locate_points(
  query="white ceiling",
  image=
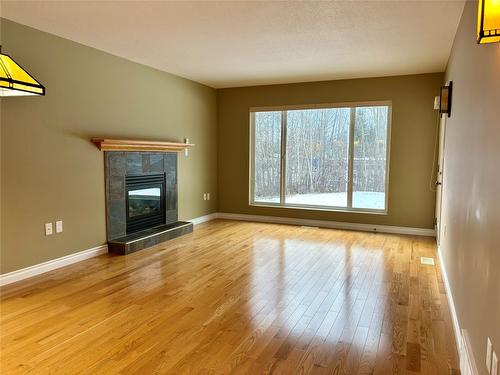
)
(242, 43)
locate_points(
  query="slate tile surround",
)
(120, 164)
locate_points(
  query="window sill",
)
(363, 211)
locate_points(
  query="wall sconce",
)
(488, 21)
(445, 99)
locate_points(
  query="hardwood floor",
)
(237, 298)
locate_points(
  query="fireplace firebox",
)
(145, 201)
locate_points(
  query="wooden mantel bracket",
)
(137, 145)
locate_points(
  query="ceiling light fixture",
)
(488, 21)
(15, 81)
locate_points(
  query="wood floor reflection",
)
(235, 298)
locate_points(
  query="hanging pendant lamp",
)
(15, 81)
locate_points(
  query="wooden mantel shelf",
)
(137, 145)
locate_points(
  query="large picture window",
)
(331, 158)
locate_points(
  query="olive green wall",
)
(470, 223)
(414, 124)
(51, 171)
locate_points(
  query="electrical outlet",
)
(48, 229)
(488, 355)
(494, 364)
(59, 226)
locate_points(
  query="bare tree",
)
(317, 151)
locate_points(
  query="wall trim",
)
(37, 269)
(466, 357)
(330, 224)
(204, 219)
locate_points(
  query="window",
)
(332, 158)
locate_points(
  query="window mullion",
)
(350, 164)
(283, 158)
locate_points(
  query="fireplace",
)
(141, 200)
(145, 201)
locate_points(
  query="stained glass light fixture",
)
(15, 81)
(488, 21)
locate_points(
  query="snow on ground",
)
(360, 199)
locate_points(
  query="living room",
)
(241, 187)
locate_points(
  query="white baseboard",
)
(467, 361)
(82, 255)
(466, 357)
(204, 219)
(330, 224)
(53, 264)
(37, 269)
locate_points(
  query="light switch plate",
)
(59, 226)
(48, 229)
(488, 355)
(494, 364)
(208, 196)
(437, 100)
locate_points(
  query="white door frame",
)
(440, 175)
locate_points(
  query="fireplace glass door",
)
(145, 201)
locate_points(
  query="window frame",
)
(283, 109)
